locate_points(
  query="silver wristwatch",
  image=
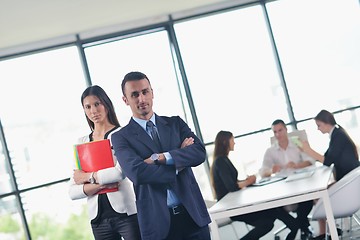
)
(155, 158)
(92, 179)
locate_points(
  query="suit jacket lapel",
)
(142, 135)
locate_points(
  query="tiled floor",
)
(238, 229)
(354, 234)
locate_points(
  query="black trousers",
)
(183, 227)
(291, 222)
(302, 212)
(117, 227)
(262, 221)
(300, 222)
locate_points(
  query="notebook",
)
(94, 156)
(268, 180)
(300, 175)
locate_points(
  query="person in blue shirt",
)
(168, 199)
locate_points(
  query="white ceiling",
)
(28, 21)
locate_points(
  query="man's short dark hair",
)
(132, 76)
(278, 121)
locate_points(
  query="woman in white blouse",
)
(113, 214)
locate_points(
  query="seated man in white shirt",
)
(284, 156)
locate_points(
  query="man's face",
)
(139, 96)
(280, 132)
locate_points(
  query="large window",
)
(318, 43)
(42, 118)
(52, 214)
(6, 185)
(41, 113)
(234, 80)
(238, 69)
(11, 223)
(150, 54)
(320, 56)
(232, 72)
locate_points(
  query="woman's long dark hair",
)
(328, 118)
(105, 100)
(222, 144)
(222, 149)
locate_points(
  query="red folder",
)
(94, 156)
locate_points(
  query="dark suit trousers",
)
(182, 227)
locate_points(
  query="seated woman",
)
(342, 152)
(224, 178)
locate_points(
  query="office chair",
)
(356, 218)
(296, 134)
(347, 223)
(228, 228)
(226, 225)
(344, 198)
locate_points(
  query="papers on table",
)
(301, 173)
(268, 180)
(288, 175)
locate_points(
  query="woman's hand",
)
(305, 146)
(311, 152)
(92, 189)
(110, 185)
(80, 177)
(250, 180)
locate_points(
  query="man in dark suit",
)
(168, 198)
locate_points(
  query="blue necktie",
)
(154, 134)
(172, 199)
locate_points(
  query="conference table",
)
(276, 194)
